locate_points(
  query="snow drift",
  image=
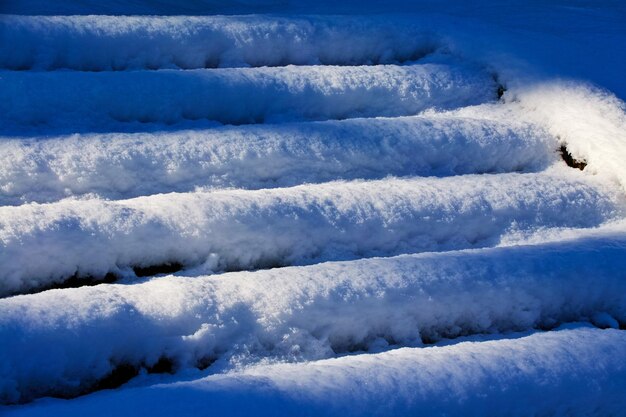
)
(590, 121)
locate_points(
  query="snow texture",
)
(76, 336)
(557, 373)
(236, 229)
(591, 122)
(59, 99)
(393, 181)
(99, 43)
(263, 156)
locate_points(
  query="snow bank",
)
(261, 156)
(575, 371)
(234, 95)
(97, 43)
(237, 229)
(63, 341)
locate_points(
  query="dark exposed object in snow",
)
(569, 159)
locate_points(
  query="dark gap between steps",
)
(166, 268)
(215, 63)
(75, 281)
(120, 375)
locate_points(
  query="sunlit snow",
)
(282, 207)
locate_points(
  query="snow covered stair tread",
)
(239, 229)
(118, 165)
(517, 375)
(75, 337)
(31, 100)
(101, 43)
(487, 378)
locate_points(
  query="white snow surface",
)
(237, 229)
(74, 337)
(591, 122)
(97, 43)
(343, 184)
(554, 373)
(125, 165)
(62, 99)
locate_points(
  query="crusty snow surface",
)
(335, 209)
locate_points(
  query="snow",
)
(497, 377)
(125, 165)
(553, 373)
(97, 43)
(237, 229)
(580, 39)
(591, 122)
(233, 95)
(366, 199)
(73, 337)
(72, 7)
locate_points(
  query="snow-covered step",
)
(71, 100)
(574, 371)
(41, 244)
(118, 165)
(74, 337)
(100, 43)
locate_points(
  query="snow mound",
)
(238, 229)
(121, 165)
(74, 337)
